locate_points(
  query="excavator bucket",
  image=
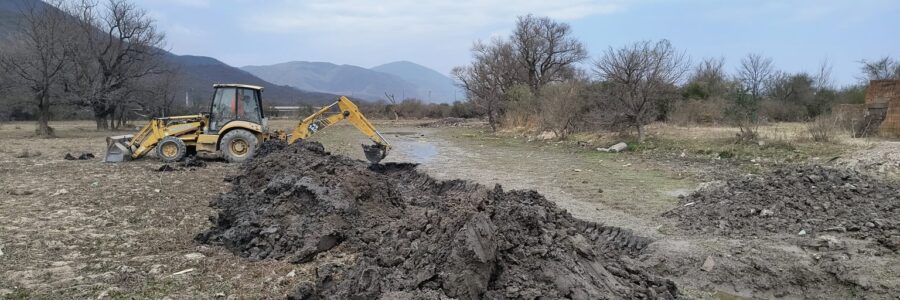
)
(375, 153)
(117, 148)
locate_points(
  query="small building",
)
(883, 102)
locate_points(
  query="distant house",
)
(883, 106)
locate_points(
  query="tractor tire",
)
(170, 149)
(238, 145)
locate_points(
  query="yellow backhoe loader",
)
(234, 126)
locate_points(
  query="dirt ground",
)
(85, 229)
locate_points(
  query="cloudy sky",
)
(797, 34)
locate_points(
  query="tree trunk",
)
(43, 129)
(101, 121)
(492, 121)
(640, 130)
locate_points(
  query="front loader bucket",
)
(375, 153)
(117, 148)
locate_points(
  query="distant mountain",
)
(437, 86)
(11, 15)
(337, 79)
(402, 79)
(199, 73)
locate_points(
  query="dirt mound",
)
(193, 162)
(403, 234)
(795, 200)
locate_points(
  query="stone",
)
(618, 147)
(708, 264)
(194, 256)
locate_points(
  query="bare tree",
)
(118, 45)
(546, 49)
(823, 78)
(754, 72)
(563, 107)
(883, 68)
(38, 58)
(637, 78)
(393, 105)
(155, 96)
(708, 80)
(487, 78)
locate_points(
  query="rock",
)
(546, 135)
(577, 170)
(618, 147)
(836, 229)
(1, 250)
(708, 264)
(126, 269)
(59, 192)
(766, 213)
(600, 190)
(292, 274)
(155, 269)
(194, 256)
(802, 232)
(220, 295)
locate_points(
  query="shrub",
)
(823, 128)
(693, 112)
(780, 111)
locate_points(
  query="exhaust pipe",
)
(118, 149)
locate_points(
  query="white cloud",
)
(373, 19)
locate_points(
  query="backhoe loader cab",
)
(234, 126)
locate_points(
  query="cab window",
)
(224, 107)
(249, 106)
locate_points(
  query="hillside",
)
(337, 79)
(199, 73)
(439, 87)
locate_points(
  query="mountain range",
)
(291, 83)
(401, 79)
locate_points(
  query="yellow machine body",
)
(192, 132)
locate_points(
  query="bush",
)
(823, 128)
(693, 112)
(780, 111)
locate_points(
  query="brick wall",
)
(891, 125)
(884, 96)
(882, 92)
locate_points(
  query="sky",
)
(798, 35)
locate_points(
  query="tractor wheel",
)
(171, 149)
(238, 145)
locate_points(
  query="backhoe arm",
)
(350, 112)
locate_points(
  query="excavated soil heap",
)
(411, 236)
(808, 199)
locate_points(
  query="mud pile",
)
(410, 236)
(796, 200)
